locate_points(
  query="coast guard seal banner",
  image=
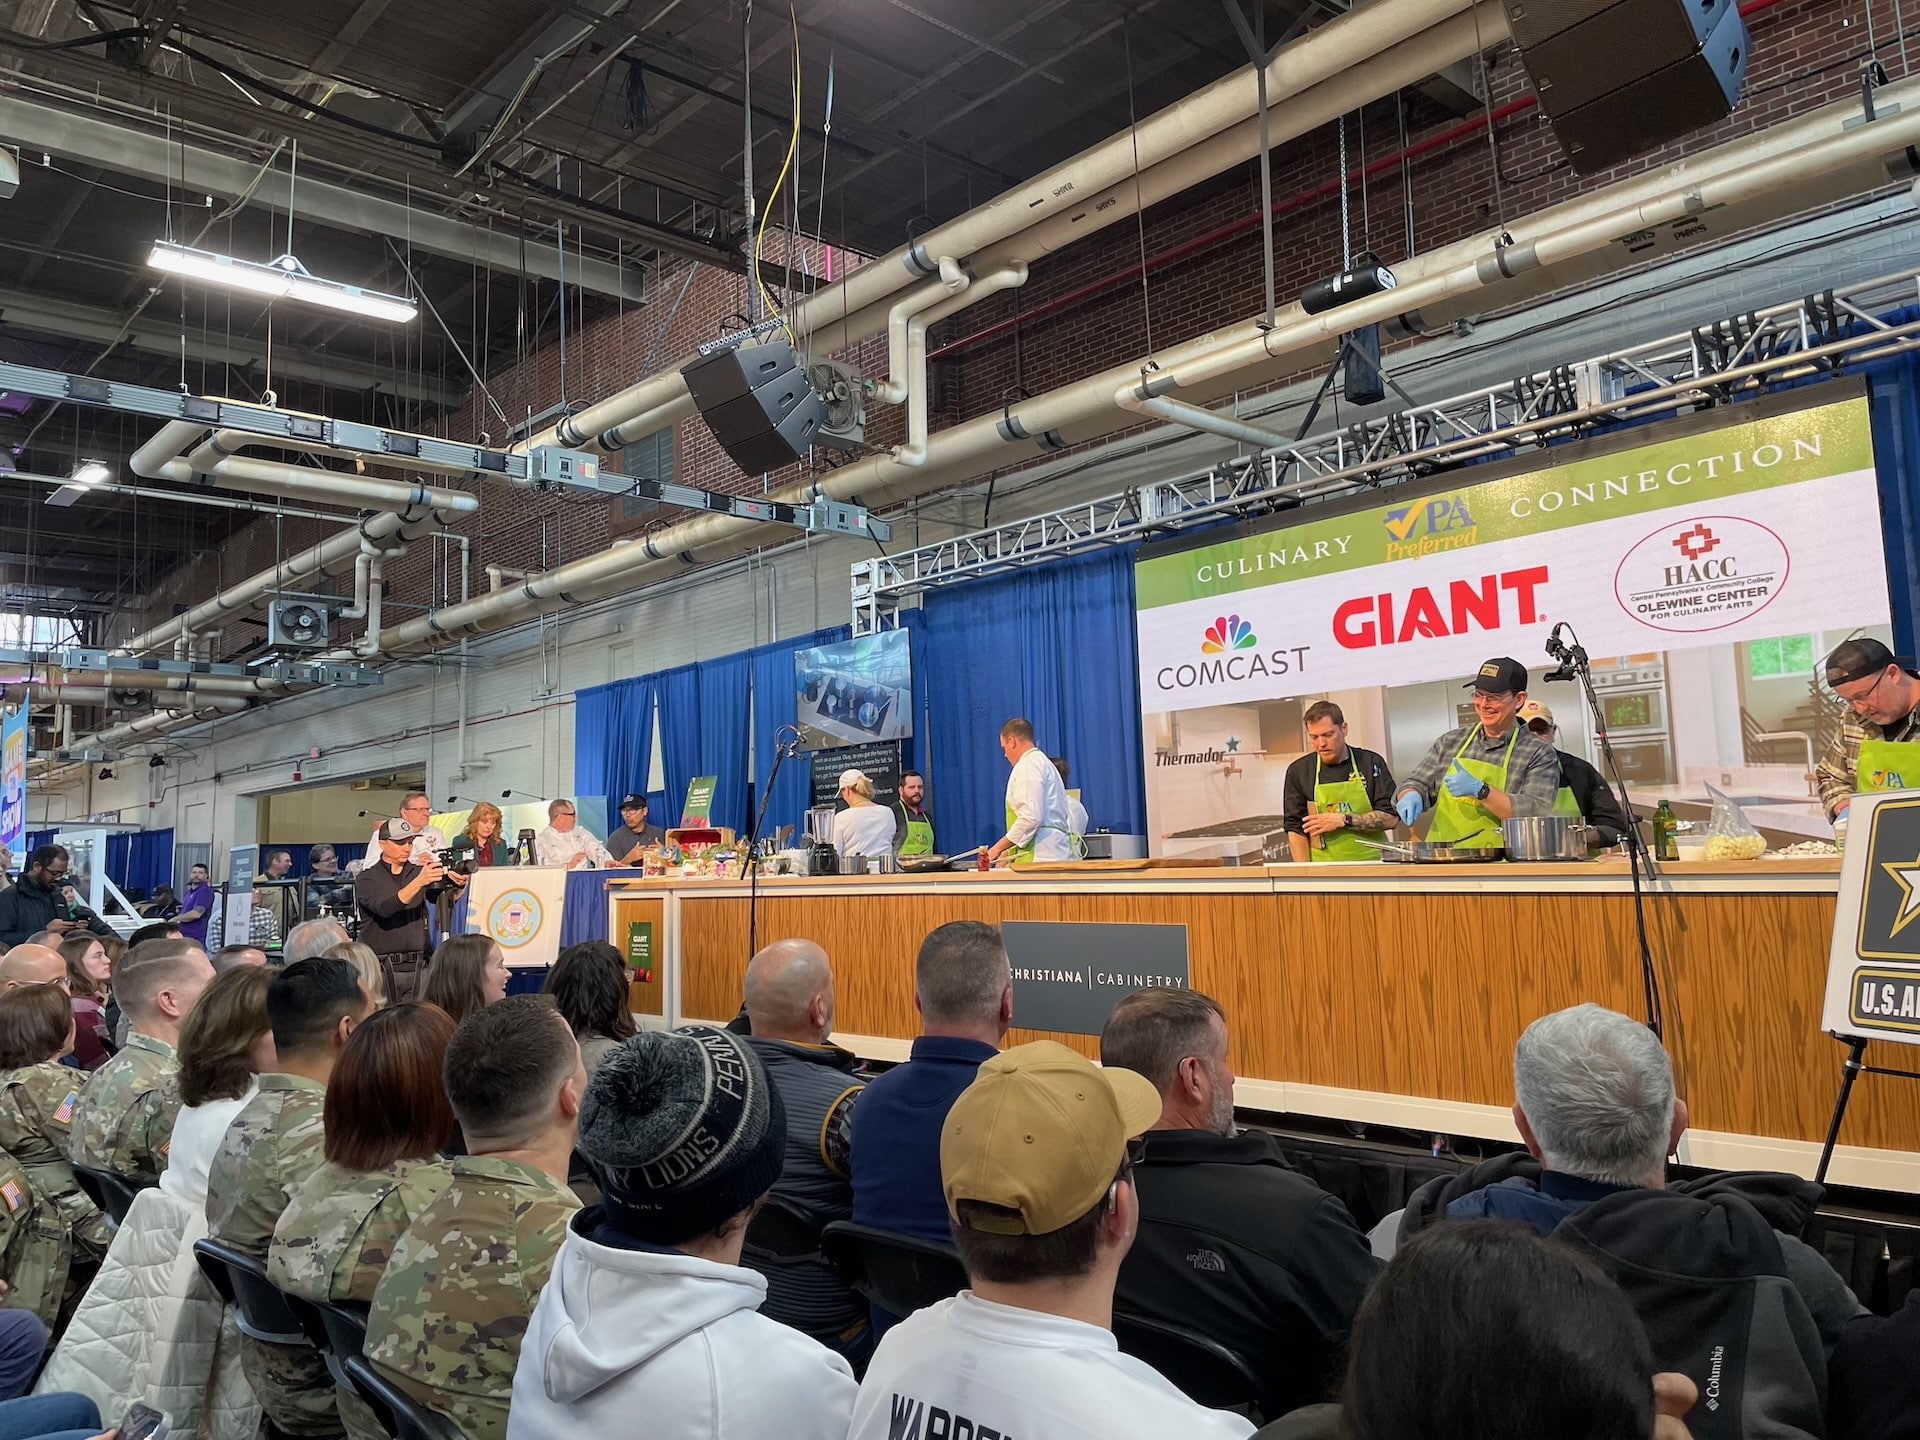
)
(1704, 573)
(520, 907)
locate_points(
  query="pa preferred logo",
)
(515, 918)
(1703, 573)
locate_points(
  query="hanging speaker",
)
(1618, 79)
(758, 402)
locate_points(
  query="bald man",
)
(32, 965)
(790, 1006)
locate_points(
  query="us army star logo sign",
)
(1873, 983)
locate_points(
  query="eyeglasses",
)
(1858, 702)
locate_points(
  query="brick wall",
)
(1805, 54)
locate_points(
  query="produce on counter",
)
(1806, 850)
(1736, 847)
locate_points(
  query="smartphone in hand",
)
(143, 1422)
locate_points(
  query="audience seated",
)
(225, 1041)
(1490, 1332)
(588, 984)
(963, 987)
(231, 957)
(158, 930)
(386, 1118)
(310, 938)
(33, 964)
(37, 1099)
(373, 979)
(270, 1149)
(1233, 1243)
(452, 1307)
(1873, 1380)
(468, 973)
(649, 1312)
(789, 993)
(1715, 1268)
(1035, 1165)
(89, 982)
(124, 1121)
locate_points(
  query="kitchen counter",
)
(1390, 994)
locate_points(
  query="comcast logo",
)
(1229, 632)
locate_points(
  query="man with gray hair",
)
(310, 938)
(790, 1006)
(1233, 1243)
(1728, 1291)
(963, 987)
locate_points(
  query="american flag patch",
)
(15, 1197)
(65, 1112)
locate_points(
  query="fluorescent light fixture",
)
(282, 279)
(86, 475)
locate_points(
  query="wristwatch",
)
(1485, 790)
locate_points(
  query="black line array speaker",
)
(1619, 77)
(758, 403)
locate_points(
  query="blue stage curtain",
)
(776, 704)
(1057, 645)
(613, 739)
(145, 861)
(680, 727)
(35, 839)
(723, 689)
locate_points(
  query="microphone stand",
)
(1574, 666)
(782, 752)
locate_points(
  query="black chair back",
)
(404, 1417)
(784, 1231)
(109, 1192)
(1204, 1370)
(338, 1331)
(899, 1273)
(260, 1310)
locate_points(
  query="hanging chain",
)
(1346, 217)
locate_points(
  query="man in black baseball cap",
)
(634, 834)
(1877, 746)
(1477, 776)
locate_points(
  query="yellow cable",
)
(793, 145)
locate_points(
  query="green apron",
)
(919, 839)
(1565, 804)
(1344, 797)
(1023, 854)
(1458, 820)
(1887, 765)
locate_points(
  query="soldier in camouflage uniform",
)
(451, 1309)
(388, 1121)
(124, 1122)
(38, 1096)
(34, 1253)
(270, 1150)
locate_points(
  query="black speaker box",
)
(1532, 21)
(1635, 74)
(758, 404)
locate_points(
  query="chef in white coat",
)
(863, 828)
(1038, 824)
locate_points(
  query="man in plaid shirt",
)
(263, 928)
(1882, 693)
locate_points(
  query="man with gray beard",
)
(1234, 1244)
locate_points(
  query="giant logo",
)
(1702, 573)
(1428, 613)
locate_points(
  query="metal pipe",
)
(369, 643)
(1135, 396)
(953, 281)
(1007, 277)
(58, 693)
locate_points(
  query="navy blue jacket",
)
(896, 1137)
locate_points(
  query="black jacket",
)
(1238, 1246)
(28, 908)
(1596, 800)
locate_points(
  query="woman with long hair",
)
(225, 1042)
(90, 982)
(485, 838)
(469, 973)
(589, 988)
(37, 1099)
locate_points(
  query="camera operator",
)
(393, 896)
(43, 900)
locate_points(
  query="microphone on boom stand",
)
(1573, 665)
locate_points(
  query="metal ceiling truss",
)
(1744, 355)
(544, 468)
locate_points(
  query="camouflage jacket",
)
(339, 1230)
(36, 1123)
(453, 1306)
(269, 1151)
(124, 1122)
(35, 1248)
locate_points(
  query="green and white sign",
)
(699, 806)
(640, 950)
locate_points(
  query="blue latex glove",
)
(1459, 782)
(1408, 807)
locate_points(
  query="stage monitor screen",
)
(855, 692)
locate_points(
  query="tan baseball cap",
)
(1041, 1130)
(1533, 710)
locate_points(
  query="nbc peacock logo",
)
(1229, 632)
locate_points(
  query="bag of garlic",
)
(1730, 835)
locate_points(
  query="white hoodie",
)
(672, 1347)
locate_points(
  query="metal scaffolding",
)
(1815, 337)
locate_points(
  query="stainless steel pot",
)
(1546, 837)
